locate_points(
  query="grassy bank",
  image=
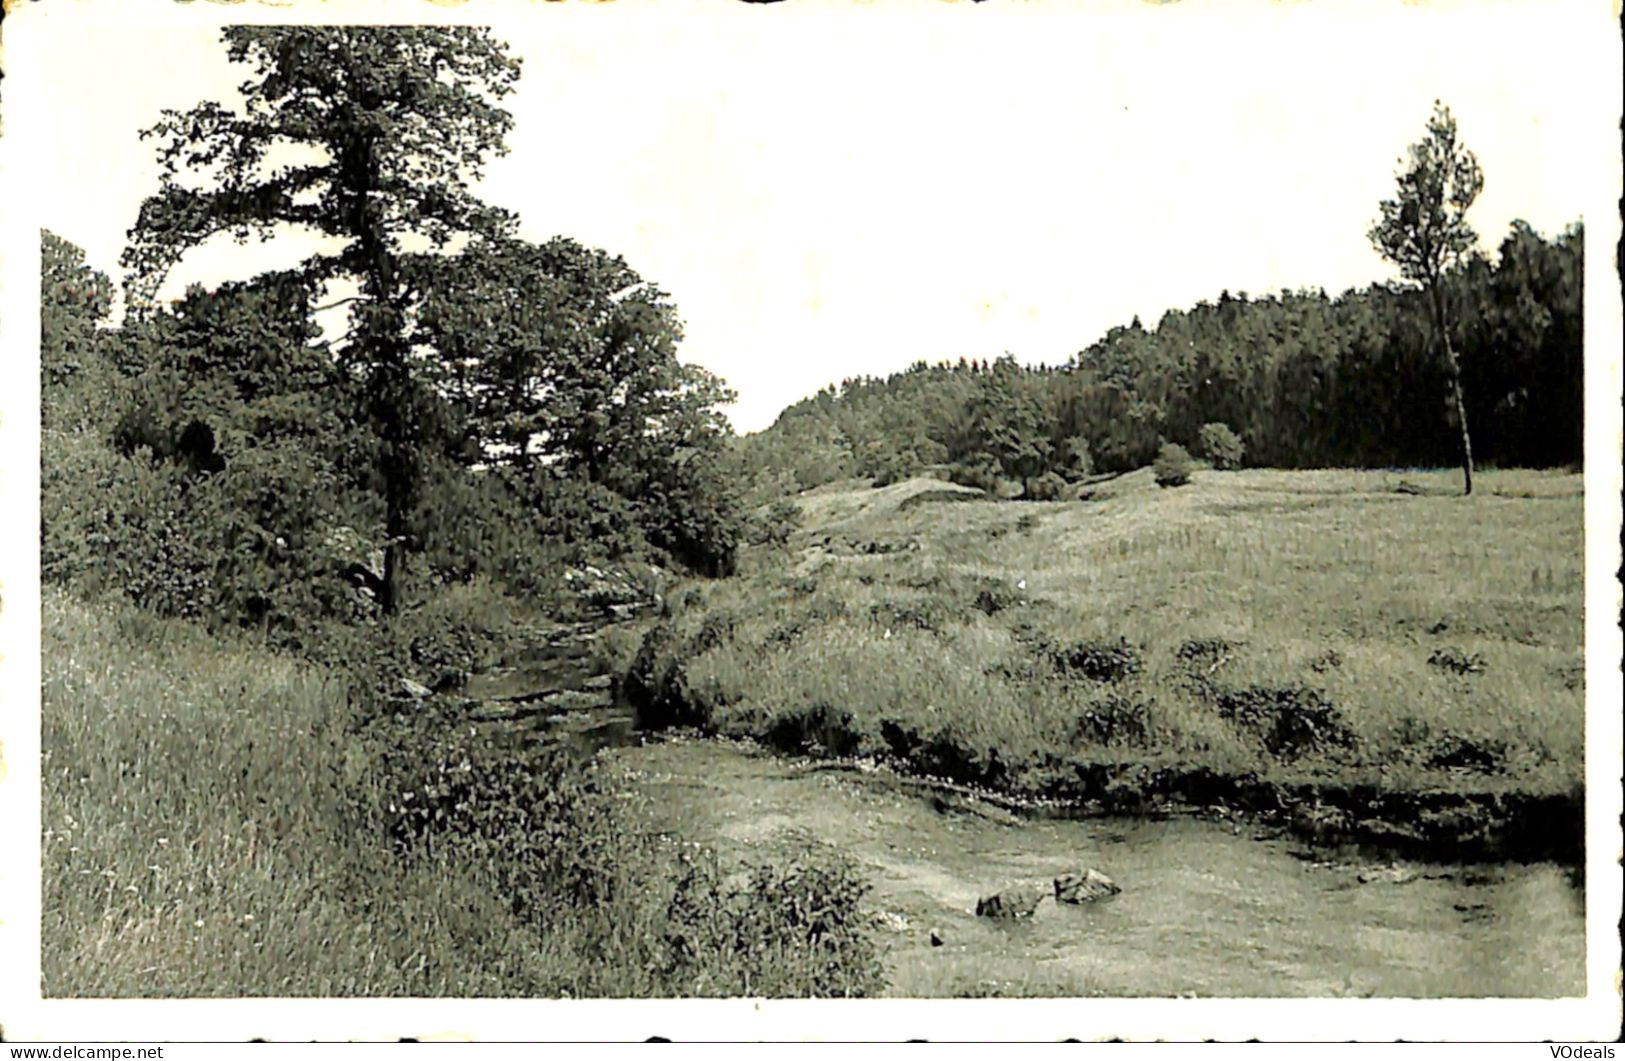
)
(1368, 654)
(220, 821)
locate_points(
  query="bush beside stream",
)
(225, 821)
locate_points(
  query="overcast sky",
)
(830, 190)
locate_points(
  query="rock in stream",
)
(1019, 900)
(1085, 887)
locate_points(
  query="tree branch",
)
(342, 302)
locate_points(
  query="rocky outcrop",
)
(1020, 900)
(1089, 886)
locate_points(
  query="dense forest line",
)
(1300, 379)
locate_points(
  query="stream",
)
(1207, 908)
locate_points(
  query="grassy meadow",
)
(1367, 652)
(222, 821)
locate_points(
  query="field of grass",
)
(1385, 665)
(219, 821)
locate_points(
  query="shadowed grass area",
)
(1412, 660)
(218, 821)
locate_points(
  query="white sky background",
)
(830, 190)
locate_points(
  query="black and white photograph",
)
(1102, 517)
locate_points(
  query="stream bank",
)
(1230, 888)
(1207, 907)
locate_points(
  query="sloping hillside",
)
(1308, 637)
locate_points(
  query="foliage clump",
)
(1047, 487)
(980, 472)
(792, 929)
(775, 526)
(1329, 660)
(1456, 660)
(1114, 720)
(1456, 752)
(1208, 651)
(1173, 465)
(542, 830)
(1221, 446)
(1096, 659)
(1290, 720)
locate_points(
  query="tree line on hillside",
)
(495, 408)
(1300, 379)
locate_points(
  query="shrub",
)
(980, 472)
(776, 525)
(108, 525)
(995, 596)
(459, 629)
(1080, 459)
(791, 930)
(1115, 720)
(1457, 661)
(817, 729)
(249, 547)
(932, 614)
(1097, 660)
(1455, 752)
(1220, 445)
(1047, 487)
(657, 683)
(947, 751)
(1331, 659)
(1291, 720)
(1173, 465)
(1207, 651)
(538, 828)
(692, 512)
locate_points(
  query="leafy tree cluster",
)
(1300, 379)
(493, 407)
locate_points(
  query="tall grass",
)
(940, 633)
(219, 822)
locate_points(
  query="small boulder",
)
(891, 920)
(1085, 887)
(1017, 901)
(416, 690)
(936, 938)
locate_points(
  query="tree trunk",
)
(387, 595)
(1466, 438)
(397, 468)
(1442, 327)
(389, 377)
